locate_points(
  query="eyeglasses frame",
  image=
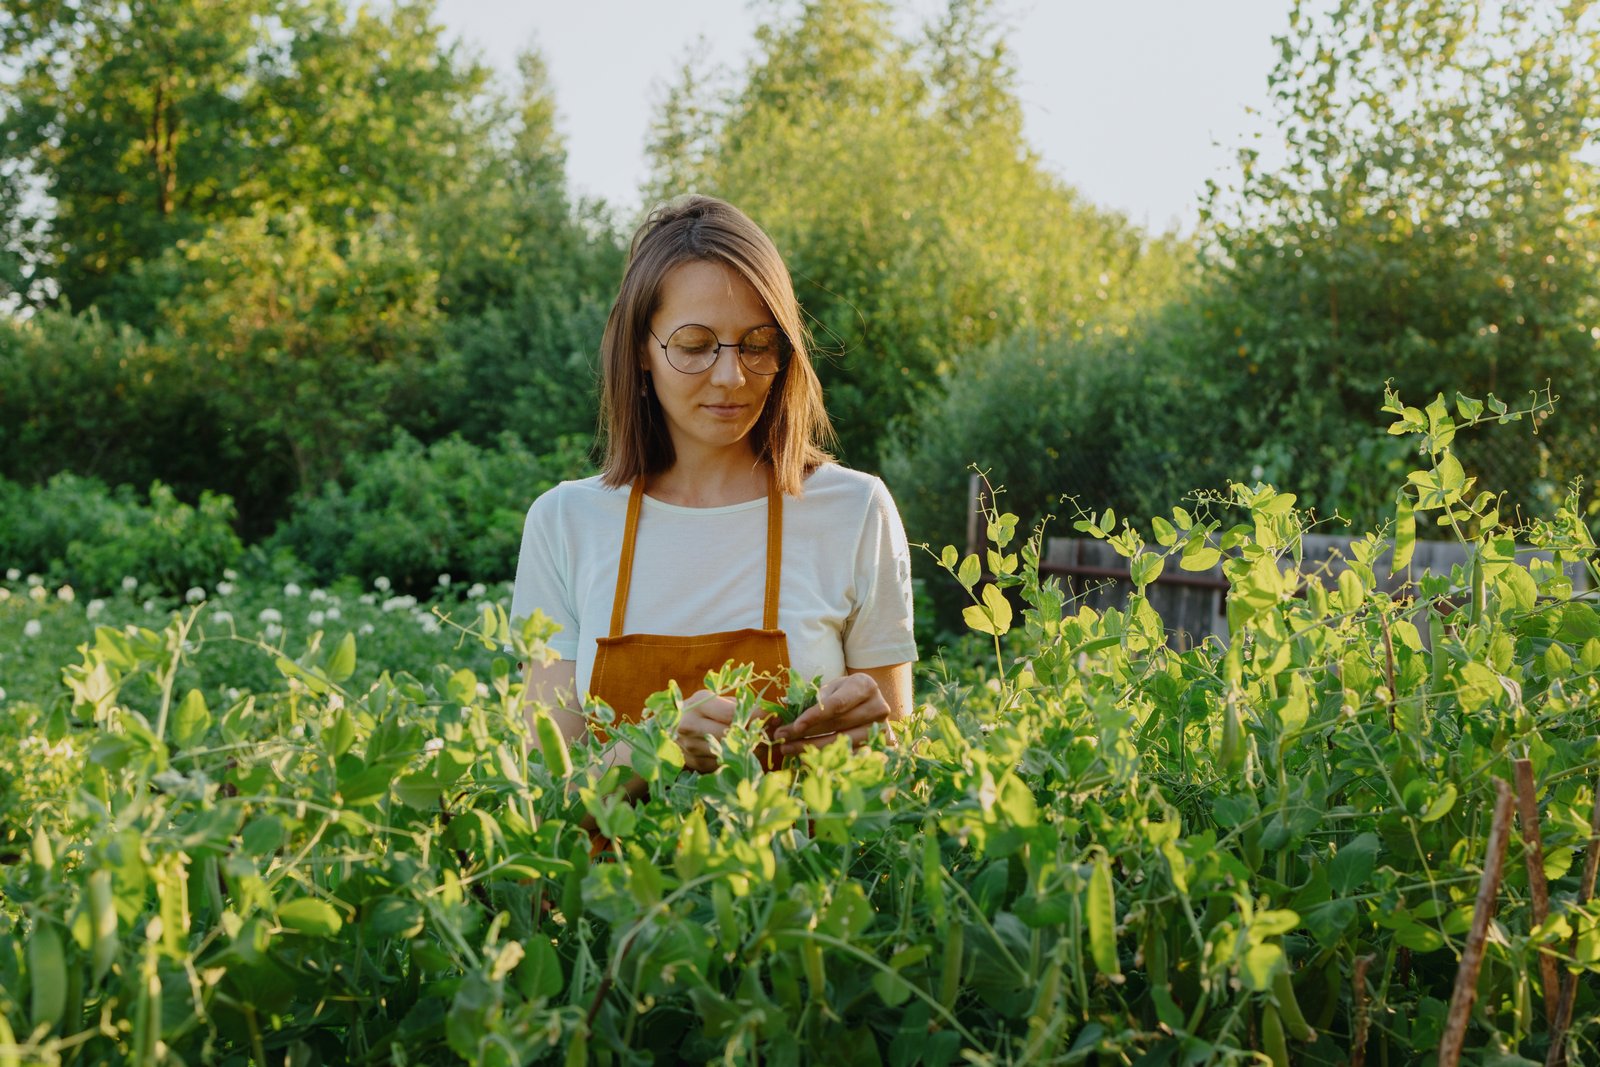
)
(785, 347)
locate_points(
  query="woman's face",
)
(715, 409)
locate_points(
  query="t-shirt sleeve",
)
(544, 574)
(878, 631)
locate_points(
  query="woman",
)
(718, 528)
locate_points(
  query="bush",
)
(412, 511)
(76, 531)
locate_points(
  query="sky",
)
(1136, 103)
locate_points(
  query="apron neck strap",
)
(630, 535)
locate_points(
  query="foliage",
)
(1108, 848)
(411, 512)
(75, 531)
(894, 179)
(145, 126)
(1436, 221)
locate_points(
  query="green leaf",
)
(342, 663)
(1352, 865)
(993, 616)
(341, 735)
(1468, 408)
(1405, 532)
(1260, 964)
(539, 974)
(1441, 804)
(1102, 914)
(1166, 536)
(308, 915)
(1146, 568)
(949, 556)
(192, 719)
(848, 914)
(1198, 556)
(969, 573)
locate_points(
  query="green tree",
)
(1436, 221)
(894, 177)
(139, 125)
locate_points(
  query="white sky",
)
(1134, 102)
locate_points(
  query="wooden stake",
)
(1528, 812)
(1569, 986)
(1466, 990)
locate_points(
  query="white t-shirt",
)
(844, 592)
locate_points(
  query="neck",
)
(710, 480)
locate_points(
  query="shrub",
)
(76, 531)
(412, 512)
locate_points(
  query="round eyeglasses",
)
(693, 349)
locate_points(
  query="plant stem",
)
(1528, 812)
(1466, 989)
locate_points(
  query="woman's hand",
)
(705, 715)
(848, 706)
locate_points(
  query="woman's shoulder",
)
(835, 485)
(576, 497)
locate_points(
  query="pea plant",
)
(1363, 830)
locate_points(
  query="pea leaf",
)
(308, 915)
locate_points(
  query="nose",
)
(727, 371)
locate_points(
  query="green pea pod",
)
(1273, 1042)
(1333, 982)
(552, 745)
(103, 922)
(727, 919)
(47, 974)
(950, 977)
(578, 1050)
(1155, 965)
(811, 959)
(1103, 919)
(1230, 750)
(1293, 1019)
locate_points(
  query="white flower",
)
(5, 594)
(366, 628)
(12, 574)
(444, 581)
(94, 609)
(319, 594)
(335, 701)
(272, 630)
(270, 615)
(433, 744)
(222, 618)
(129, 583)
(2, 695)
(395, 603)
(369, 598)
(195, 594)
(149, 607)
(291, 590)
(297, 730)
(231, 694)
(476, 590)
(315, 618)
(37, 593)
(332, 613)
(35, 580)
(224, 588)
(229, 573)
(483, 691)
(430, 625)
(381, 584)
(31, 628)
(66, 594)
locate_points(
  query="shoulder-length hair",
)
(792, 432)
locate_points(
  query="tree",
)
(895, 180)
(1436, 221)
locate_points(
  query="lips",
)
(725, 411)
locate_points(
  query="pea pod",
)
(47, 974)
(1273, 1042)
(8, 1042)
(1293, 1019)
(727, 919)
(1333, 982)
(950, 977)
(552, 745)
(1230, 750)
(103, 922)
(811, 959)
(1155, 965)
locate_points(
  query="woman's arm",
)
(554, 685)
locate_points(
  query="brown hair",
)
(793, 430)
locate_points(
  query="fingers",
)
(705, 715)
(858, 736)
(842, 704)
(707, 705)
